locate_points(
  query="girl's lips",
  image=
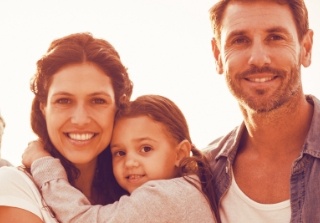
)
(135, 178)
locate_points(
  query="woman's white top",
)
(17, 189)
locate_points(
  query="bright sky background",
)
(164, 43)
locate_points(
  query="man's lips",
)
(260, 79)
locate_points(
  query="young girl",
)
(151, 160)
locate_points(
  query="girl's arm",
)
(155, 201)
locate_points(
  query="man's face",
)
(260, 54)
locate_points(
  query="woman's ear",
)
(183, 150)
(217, 56)
(42, 109)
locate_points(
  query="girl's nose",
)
(131, 162)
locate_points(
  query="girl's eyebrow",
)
(137, 140)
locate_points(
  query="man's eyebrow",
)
(234, 34)
(277, 29)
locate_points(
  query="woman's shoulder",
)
(16, 183)
(18, 190)
(10, 173)
(14, 175)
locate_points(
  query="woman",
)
(79, 85)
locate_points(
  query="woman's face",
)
(80, 111)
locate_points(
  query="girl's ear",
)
(183, 150)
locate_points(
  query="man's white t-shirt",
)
(236, 207)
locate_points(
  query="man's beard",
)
(258, 102)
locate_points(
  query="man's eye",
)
(276, 37)
(240, 40)
(146, 149)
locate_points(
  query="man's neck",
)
(279, 130)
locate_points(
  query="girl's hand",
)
(34, 151)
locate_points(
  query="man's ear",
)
(217, 56)
(183, 150)
(306, 48)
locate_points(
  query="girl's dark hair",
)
(166, 112)
(73, 49)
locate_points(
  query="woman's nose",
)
(80, 115)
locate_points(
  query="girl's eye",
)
(98, 101)
(146, 149)
(119, 153)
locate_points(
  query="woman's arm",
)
(12, 214)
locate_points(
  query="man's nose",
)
(259, 54)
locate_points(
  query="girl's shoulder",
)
(184, 184)
(180, 198)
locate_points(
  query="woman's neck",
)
(85, 180)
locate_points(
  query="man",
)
(2, 126)
(267, 169)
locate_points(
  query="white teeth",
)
(133, 177)
(81, 137)
(261, 80)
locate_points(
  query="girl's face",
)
(80, 112)
(142, 150)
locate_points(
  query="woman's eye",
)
(63, 101)
(99, 101)
(146, 149)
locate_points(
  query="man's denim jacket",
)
(305, 176)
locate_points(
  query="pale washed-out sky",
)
(164, 43)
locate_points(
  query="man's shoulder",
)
(223, 143)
